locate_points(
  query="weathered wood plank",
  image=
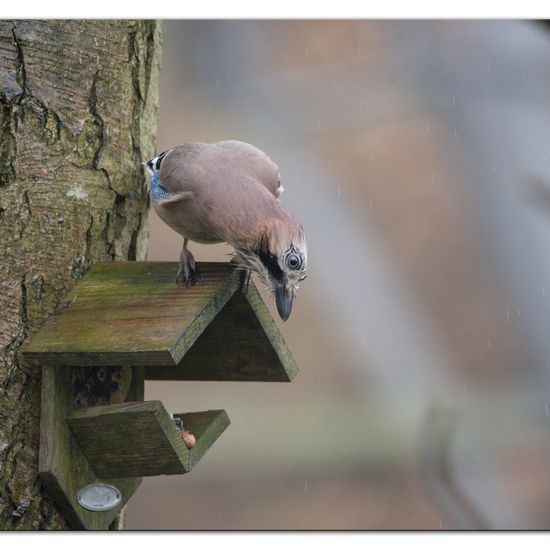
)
(62, 466)
(242, 343)
(272, 332)
(135, 314)
(140, 439)
(132, 313)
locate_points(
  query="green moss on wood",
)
(136, 314)
(140, 439)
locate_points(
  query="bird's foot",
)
(245, 280)
(187, 268)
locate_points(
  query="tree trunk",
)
(78, 109)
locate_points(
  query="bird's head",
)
(279, 257)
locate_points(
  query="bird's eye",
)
(293, 261)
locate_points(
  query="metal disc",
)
(99, 497)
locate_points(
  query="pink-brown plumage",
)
(228, 192)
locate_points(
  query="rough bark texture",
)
(78, 109)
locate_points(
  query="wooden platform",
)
(139, 439)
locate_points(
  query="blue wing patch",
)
(159, 192)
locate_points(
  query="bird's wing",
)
(189, 166)
(180, 170)
(252, 161)
(159, 192)
(177, 199)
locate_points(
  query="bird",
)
(229, 192)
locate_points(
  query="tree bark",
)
(78, 110)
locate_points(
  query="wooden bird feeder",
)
(122, 324)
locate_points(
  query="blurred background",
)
(417, 155)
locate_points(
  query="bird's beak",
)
(283, 298)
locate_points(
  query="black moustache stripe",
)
(271, 264)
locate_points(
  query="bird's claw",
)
(187, 268)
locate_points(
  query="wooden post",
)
(63, 467)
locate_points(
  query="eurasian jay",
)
(228, 192)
